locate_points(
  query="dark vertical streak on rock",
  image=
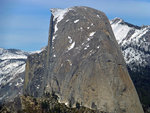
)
(46, 76)
(51, 31)
(49, 52)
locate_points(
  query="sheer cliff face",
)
(82, 64)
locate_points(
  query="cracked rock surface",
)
(82, 63)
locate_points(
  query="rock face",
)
(82, 63)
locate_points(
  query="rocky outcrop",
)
(83, 64)
(35, 74)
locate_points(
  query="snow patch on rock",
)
(98, 16)
(67, 20)
(54, 37)
(70, 39)
(76, 21)
(71, 46)
(54, 55)
(87, 46)
(92, 24)
(92, 33)
(59, 15)
(81, 28)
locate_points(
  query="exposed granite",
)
(83, 63)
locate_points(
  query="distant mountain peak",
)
(116, 20)
(121, 21)
(132, 38)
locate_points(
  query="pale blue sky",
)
(24, 23)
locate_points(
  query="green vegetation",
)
(46, 104)
(141, 80)
(78, 105)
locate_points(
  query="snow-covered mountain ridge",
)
(12, 68)
(12, 62)
(134, 42)
(12, 71)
